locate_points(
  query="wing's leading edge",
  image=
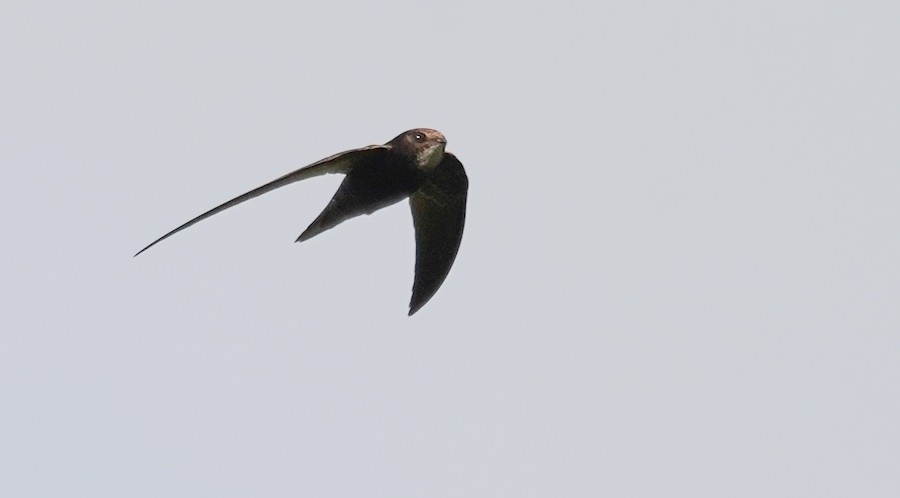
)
(339, 163)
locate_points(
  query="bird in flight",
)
(413, 165)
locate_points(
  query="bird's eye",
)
(419, 137)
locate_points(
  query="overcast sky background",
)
(680, 274)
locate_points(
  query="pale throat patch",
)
(430, 157)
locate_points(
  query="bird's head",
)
(425, 145)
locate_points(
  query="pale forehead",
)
(428, 132)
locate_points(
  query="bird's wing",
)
(339, 163)
(439, 214)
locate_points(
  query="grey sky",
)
(679, 276)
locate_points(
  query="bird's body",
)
(413, 165)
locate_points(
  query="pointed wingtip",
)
(315, 228)
(415, 305)
(306, 235)
(149, 246)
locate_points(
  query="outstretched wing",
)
(339, 163)
(439, 214)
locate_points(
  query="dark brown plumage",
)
(414, 165)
